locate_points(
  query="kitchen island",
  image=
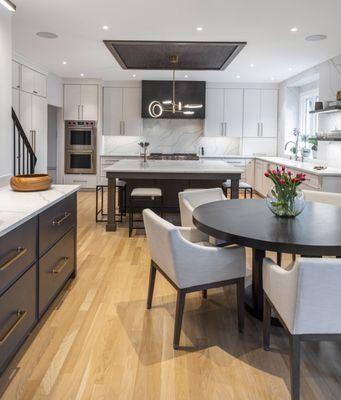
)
(171, 177)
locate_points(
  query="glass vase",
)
(285, 203)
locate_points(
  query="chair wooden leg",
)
(251, 193)
(295, 366)
(204, 294)
(266, 324)
(180, 305)
(152, 275)
(240, 304)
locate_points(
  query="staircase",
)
(25, 159)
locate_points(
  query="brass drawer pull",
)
(61, 220)
(21, 315)
(60, 266)
(20, 251)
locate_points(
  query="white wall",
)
(6, 139)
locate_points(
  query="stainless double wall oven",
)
(80, 147)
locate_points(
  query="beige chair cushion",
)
(146, 192)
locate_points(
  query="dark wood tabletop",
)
(315, 232)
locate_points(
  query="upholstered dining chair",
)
(307, 301)
(323, 197)
(190, 199)
(190, 265)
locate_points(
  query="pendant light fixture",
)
(9, 5)
(156, 109)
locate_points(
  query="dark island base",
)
(170, 189)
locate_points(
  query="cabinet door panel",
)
(26, 112)
(15, 75)
(269, 107)
(132, 125)
(39, 84)
(89, 102)
(27, 79)
(72, 102)
(233, 112)
(112, 110)
(252, 108)
(214, 112)
(39, 126)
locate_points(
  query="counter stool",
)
(141, 198)
(122, 202)
(242, 186)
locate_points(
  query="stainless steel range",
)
(173, 156)
(80, 147)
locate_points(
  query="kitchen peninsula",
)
(170, 176)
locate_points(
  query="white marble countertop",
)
(172, 166)
(18, 207)
(307, 167)
(206, 156)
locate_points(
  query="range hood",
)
(193, 56)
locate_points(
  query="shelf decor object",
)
(156, 109)
(31, 183)
(285, 199)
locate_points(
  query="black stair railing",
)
(24, 157)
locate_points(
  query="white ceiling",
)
(264, 24)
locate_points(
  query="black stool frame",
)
(138, 204)
(101, 216)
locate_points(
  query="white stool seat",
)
(146, 192)
(242, 185)
(120, 183)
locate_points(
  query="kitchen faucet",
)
(296, 147)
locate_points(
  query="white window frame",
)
(303, 114)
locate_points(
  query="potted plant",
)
(314, 145)
(305, 149)
(284, 198)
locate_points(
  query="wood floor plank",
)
(100, 342)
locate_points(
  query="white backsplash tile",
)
(172, 136)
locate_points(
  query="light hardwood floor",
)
(100, 342)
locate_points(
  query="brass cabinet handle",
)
(20, 251)
(60, 266)
(61, 220)
(21, 315)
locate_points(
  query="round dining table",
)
(315, 232)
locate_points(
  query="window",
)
(308, 122)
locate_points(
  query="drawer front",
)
(17, 315)
(17, 252)
(55, 222)
(54, 269)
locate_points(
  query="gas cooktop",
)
(173, 156)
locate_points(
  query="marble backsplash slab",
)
(172, 136)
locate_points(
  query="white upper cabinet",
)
(89, 102)
(260, 112)
(224, 112)
(122, 111)
(251, 112)
(132, 121)
(214, 119)
(112, 111)
(33, 81)
(15, 75)
(233, 112)
(269, 112)
(81, 102)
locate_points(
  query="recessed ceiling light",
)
(82, 74)
(47, 35)
(272, 78)
(9, 5)
(199, 28)
(294, 29)
(289, 69)
(105, 27)
(64, 62)
(238, 76)
(252, 65)
(315, 38)
(134, 75)
(186, 76)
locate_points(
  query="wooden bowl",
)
(30, 183)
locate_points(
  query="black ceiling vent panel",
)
(152, 55)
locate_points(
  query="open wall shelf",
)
(327, 110)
